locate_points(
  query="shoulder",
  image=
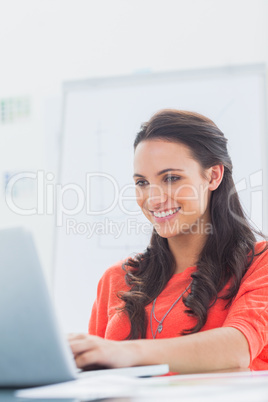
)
(259, 266)
(261, 247)
(114, 276)
(261, 255)
(115, 271)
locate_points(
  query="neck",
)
(186, 249)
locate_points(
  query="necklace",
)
(160, 323)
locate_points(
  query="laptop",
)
(33, 352)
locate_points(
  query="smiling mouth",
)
(163, 214)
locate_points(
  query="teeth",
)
(167, 213)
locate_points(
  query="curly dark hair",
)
(229, 249)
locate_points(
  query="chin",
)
(167, 233)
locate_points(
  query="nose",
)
(156, 197)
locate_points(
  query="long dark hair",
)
(229, 249)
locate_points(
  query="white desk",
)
(244, 386)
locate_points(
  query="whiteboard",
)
(98, 221)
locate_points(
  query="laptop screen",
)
(31, 348)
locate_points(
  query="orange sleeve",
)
(112, 281)
(249, 310)
(99, 318)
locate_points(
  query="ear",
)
(216, 175)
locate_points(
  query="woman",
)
(197, 298)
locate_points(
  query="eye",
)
(141, 183)
(172, 179)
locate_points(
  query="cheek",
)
(185, 194)
(191, 196)
(204, 199)
(140, 196)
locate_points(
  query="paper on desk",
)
(191, 388)
(84, 389)
(208, 387)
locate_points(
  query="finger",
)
(81, 345)
(84, 359)
(91, 359)
(73, 336)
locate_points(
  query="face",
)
(172, 189)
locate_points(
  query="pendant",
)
(159, 328)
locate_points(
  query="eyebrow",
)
(161, 172)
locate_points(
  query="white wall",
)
(46, 42)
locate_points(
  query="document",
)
(231, 387)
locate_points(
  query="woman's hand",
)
(89, 350)
(215, 349)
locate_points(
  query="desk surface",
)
(223, 387)
(8, 396)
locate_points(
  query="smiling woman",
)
(202, 284)
(173, 199)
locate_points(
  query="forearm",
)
(216, 349)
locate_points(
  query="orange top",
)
(248, 311)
